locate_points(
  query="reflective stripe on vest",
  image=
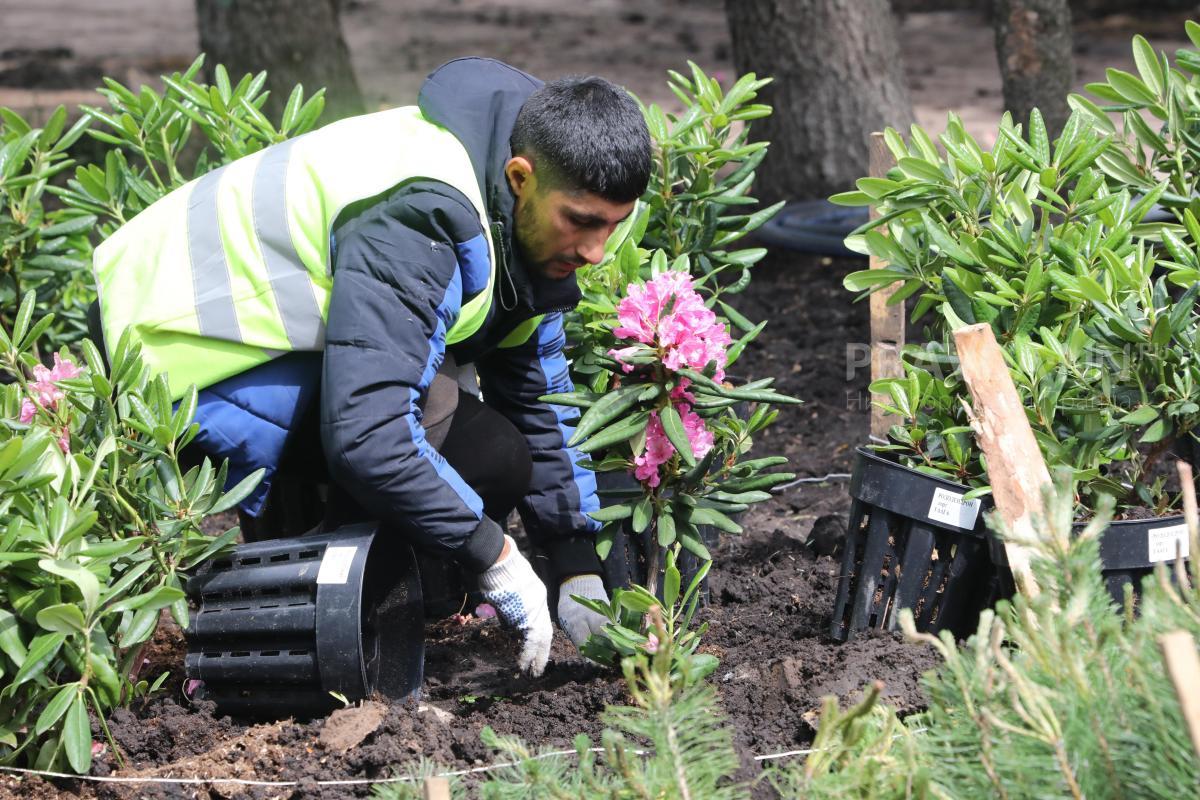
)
(232, 269)
(520, 334)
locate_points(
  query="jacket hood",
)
(477, 99)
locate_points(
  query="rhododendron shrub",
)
(674, 423)
(650, 342)
(99, 525)
(671, 421)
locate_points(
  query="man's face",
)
(557, 231)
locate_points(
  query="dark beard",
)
(523, 232)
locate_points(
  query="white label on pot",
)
(953, 509)
(335, 564)
(1164, 540)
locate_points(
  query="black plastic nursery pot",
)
(813, 226)
(282, 623)
(1130, 549)
(913, 541)
(628, 560)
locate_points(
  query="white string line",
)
(345, 782)
(829, 476)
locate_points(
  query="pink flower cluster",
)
(667, 313)
(659, 448)
(46, 393)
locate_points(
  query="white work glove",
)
(519, 597)
(577, 620)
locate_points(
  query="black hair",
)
(585, 134)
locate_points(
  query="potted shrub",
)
(669, 420)
(691, 214)
(1040, 241)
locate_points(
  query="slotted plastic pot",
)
(628, 560)
(913, 541)
(1130, 549)
(281, 623)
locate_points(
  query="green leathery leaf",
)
(84, 580)
(612, 513)
(1141, 416)
(41, 652)
(673, 427)
(144, 621)
(637, 602)
(710, 516)
(573, 399)
(605, 410)
(617, 432)
(757, 482)
(642, 513)
(10, 638)
(77, 735)
(1156, 432)
(238, 493)
(666, 529)
(604, 541)
(62, 618)
(1160, 334)
(694, 545)
(54, 710)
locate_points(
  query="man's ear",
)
(519, 171)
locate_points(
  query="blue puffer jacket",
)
(403, 267)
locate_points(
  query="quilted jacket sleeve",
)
(401, 277)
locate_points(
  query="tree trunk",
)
(1033, 44)
(295, 41)
(838, 77)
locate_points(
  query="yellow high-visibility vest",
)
(233, 269)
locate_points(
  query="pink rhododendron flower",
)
(44, 391)
(680, 394)
(624, 352)
(45, 381)
(659, 448)
(64, 369)
(667, 313)
(658, 452)
(698, 434)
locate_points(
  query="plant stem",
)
(116, 751)
(652, 561)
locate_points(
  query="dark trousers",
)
(486, 450)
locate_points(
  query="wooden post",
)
(1016, 469)
(1191, 516)
(436, 789)
(887, 322)
(1183, 665)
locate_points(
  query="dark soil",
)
(772, 596)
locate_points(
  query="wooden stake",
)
(435, 789)
(1015, 467)
(887, 322)
(1183, 665)
(1191, 516)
